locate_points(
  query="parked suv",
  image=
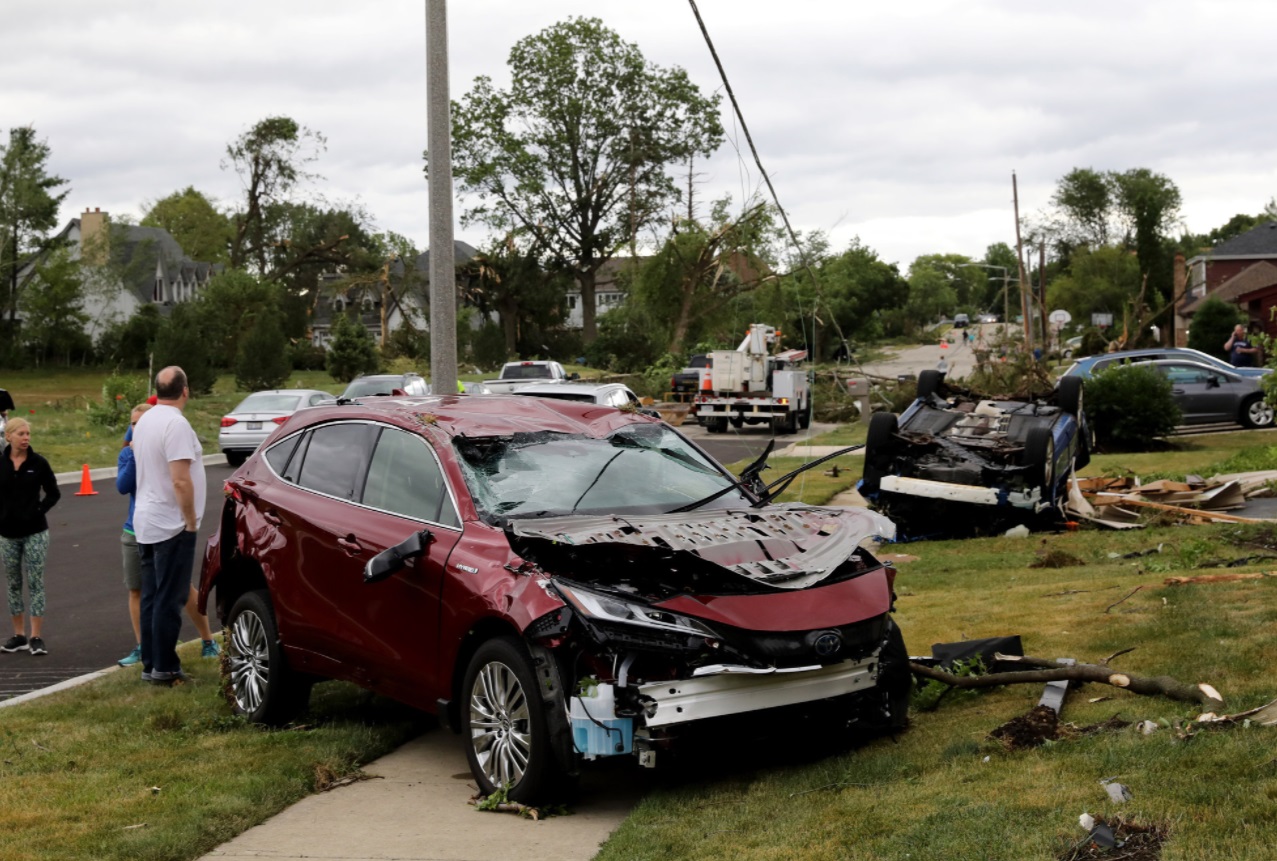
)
(556, 581)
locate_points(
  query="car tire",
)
(1039, 457)
(716, 425)
(878, 443)
(259, 682)
(1069, 397)
(1257, 413)
(929, 382)
(236, 458)
(737, 421)
(895, 681)
(508, 742)
(804, 417)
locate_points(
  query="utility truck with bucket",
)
(753, 385)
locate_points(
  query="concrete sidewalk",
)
(415, 808)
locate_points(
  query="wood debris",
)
(1117, 501)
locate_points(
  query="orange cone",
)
(86, 484)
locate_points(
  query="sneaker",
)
(146, 675)
(16, 643)
(37, 647)
(210, 649)
(131, 658)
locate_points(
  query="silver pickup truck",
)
(516, 375)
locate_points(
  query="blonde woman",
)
(28, 489)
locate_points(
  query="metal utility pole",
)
(1026, 306)
(443, 269)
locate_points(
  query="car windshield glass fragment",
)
(639, 469)
(269, 404)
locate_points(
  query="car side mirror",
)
(1212, 382)
(649, 412)
(393, 559)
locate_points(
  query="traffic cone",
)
(86, 484)
(944, 345)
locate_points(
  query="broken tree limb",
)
(1217, 578)
(1164, 686)
(1174, 509)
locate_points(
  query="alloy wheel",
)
(500, 724)
(249, 659)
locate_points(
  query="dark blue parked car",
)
(1087, 366)
(955, 460)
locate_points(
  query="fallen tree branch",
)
(1123, 598)
(1216, 578)
(1050, 671)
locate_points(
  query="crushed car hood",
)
(716, 551)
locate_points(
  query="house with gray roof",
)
(1242, 272)
(126, 267)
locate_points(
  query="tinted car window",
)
(278, 454)
(268, 403)
(403, 478)
(335, 458)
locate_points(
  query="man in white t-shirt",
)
(170, 504)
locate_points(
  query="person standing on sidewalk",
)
(170, 504)
(24, 531)
(126, 483)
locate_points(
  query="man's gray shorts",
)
(132, 561)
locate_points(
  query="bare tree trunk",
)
(589, 326)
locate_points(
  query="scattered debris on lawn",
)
(326, 779)
(497, 802)
(1114, 839)
(1265, 715)
(1118, 793)
(1116, 502)
(1033, 729)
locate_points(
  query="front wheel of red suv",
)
(508, 741)
(261, 685)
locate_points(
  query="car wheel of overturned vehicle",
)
(508, 740)
(1256, 413)
(929, 383)
(262, 686)
(1039, 457)
(882, 430)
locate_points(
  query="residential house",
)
(1241, 271)
(125, 267)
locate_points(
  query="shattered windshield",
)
(639, 469)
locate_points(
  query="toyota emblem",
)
(828, 644)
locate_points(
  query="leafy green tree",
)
(1149, 205)
(263, 360)
(54, 320)
(182, 341)
(351, 350)
(203, 231)
(1212, 326)
(29, 202)
(932, 293)
(576, 152)
(529, 299)
(1102, 280)
(271, 160)
(1085, 198)
(226, 307)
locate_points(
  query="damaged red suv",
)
(557, 581)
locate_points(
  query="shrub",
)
(489, 346)
(1213, 325)
(182, 341)
(305, 356)
(120, 394)
(262, 362)
(1130, 405)
(351, 351)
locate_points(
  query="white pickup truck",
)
(516, 375)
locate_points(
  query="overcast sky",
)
(900, 123)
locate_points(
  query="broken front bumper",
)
(728, 689)
(943, 490)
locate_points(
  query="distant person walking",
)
(6, 404)
(126, 483)
(170, 504)
(24, 531)
(1241, 352)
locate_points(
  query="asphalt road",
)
(86, 621)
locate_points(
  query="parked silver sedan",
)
(246, 426)
(1206, 394)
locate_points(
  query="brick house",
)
(1241, 271)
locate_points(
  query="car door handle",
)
(351, 545)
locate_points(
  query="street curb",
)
(109, 471)
(60, 686)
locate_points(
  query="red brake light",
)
(227, 421)
(279, 420)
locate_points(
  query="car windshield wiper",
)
(784, 481)
(749, 483)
